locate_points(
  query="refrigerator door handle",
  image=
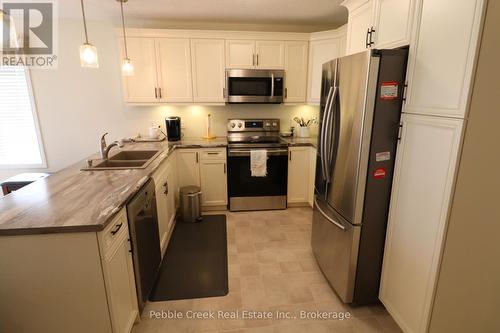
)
(327, 146)
(328, 218)
(323, 135)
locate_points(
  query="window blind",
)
(19, 144)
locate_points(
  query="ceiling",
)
(293, 15)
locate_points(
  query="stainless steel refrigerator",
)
(361, 101)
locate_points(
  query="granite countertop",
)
(296, 142)
(72, 200)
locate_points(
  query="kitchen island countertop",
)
(72, 200)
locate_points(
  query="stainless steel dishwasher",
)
(145, 239)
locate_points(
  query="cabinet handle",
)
(160, 92)
(253, 59)
(224, 167)
(286, 92)
(290, 155)
(224, 92)
(166, 188)
(156, 92)
(118, 226)
(212, 153)
(196, 157)
(257, 59)
(400, 131)
(367, 42)
(372, 30)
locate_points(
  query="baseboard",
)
(297, 204)
(211, 208)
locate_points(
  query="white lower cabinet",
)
(423, 180)
(213, 177)
(299, 180)
(206, 168)
(165, 186)
(188, 167)
(118, 272)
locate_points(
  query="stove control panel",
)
(253, 125)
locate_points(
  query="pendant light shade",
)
(127, 66)
(88, 52)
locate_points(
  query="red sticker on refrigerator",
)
(379, 173)
(389, 90)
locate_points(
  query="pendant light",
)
(127, 66)
(88, 52)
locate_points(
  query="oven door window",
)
(249, 86)
(242, 184)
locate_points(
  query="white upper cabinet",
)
(174, 70)
(442, 57)
(270, 54)
(378, 24)
(320, 51)
(142, 86)
(422, 187)
(392, 23)
(295, 71)
(263, 54)
(359, 25)
(207, 58)
(240, 54)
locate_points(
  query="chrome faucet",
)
(105, 148)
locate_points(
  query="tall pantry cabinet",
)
(442, 53)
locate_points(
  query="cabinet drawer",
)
(109, 238)
(213, 154)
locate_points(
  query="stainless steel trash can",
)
(190, 202)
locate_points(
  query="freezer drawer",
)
(335, 245)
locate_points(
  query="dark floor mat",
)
(195, 264)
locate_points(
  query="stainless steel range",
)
(256, 193)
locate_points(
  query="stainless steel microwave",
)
(255, 86)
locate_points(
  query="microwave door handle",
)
(272, 85)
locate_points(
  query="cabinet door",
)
(423, 180)
(442, 57)
(141, 87)
(360, 21)
(320, 51)
(298, 175)
(240, 54)
(174, 70)
(393, 23)
(270, 54)
(213, 182)
(295, 72)
(170, 199)
(120, 287)
(161, 184)
(188, 167)
(208, 70)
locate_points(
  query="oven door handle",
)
(246, 152)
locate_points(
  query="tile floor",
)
(271, 268)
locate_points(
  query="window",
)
(20, 142)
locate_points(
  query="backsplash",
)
(193, 117)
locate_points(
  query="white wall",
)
(76, 105)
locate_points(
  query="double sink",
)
(126, 159)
